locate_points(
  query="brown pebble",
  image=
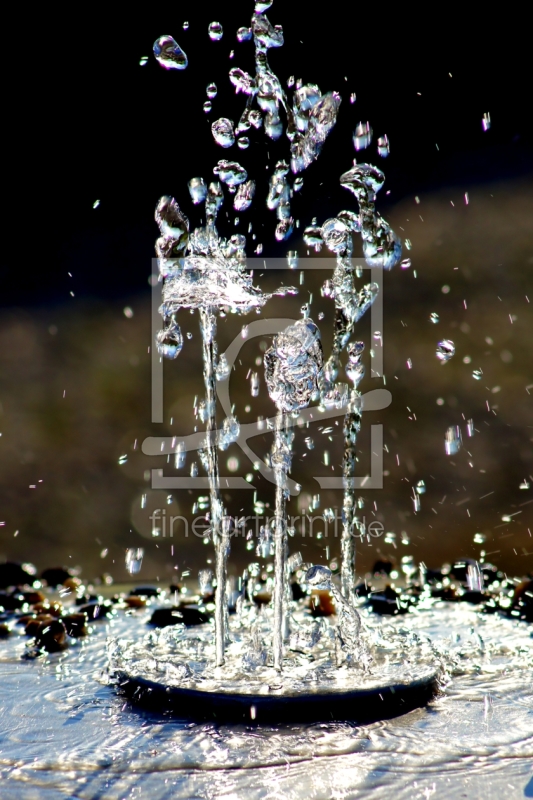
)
(134, 601)
(54, 609)
(75, 624)
(262, 598)
(72, 583)
(34, 625)
(33, 597)
(322, 604)
(52, 637)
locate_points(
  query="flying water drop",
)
(134, 559)
(211, 90)
(223, 132)
(244, 196)
(244, 34)
(453, 440)
(169, 341)
(362, 136)
(445, 350)
(383, 146)
(477, 374)
(169, 54)
(215, 31)
(243, 143)
(197, 190)
(434, 317)
(207, 106)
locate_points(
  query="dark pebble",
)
(75, 624)
(146, 591)
(523, 601)
(12, 574)
(51, 637)
(162, 617)
(96, 610)
(56, 576)
(5, 631)
(382, 567)
(297, 591)
(11, 602)
(388, 602)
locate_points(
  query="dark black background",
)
(85, 121)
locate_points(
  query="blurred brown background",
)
(75, 398)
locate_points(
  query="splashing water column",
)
(220, 536)
(292, 368)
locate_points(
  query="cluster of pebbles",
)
(56, 609)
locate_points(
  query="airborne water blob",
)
(215, 31)
(223, 133)
(169, 54)
(445, 350)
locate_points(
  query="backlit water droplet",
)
(244, 34)
(445, 350)
(362, 136)
(434, 317)
(215, 31)
(477, 374)
(211, 90)
(169, 54)
(452, 440)
(223, 132)
(134, 559)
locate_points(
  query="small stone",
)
(56, 576)
(12, 574)
(135, 601)
(146, 591)
(11, 602)
(76, 624)
(51, 637)
(97, 610)
(185, 615)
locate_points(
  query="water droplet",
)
(353, 98)
(223, 369)
(479, 538)
(223, 132)
(292, 259)
(123, 459)
(383, 146)
(434, 317)
(254, 384)
(362, 136)
(243, 143)
(477, 374)
(169, 54)
(215, 31)
(230, 172)
(229, 433)
(194, 469)
(309, 442)
(420, 487)
(205, 582)
(524, 485)
(244, 196)
(134, 559)
(143, 61)
(207, 106)
(405, 263)
(197, 190)
(262, 5)
(185, 26)
(409, 364)
(485, 122)
(244, 34)
(169, 341)
(453, 440)
(293, 365)
(211, 90)
(470, 427)
(96, 203)
(445, 350)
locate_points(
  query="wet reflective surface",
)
(65, 733)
